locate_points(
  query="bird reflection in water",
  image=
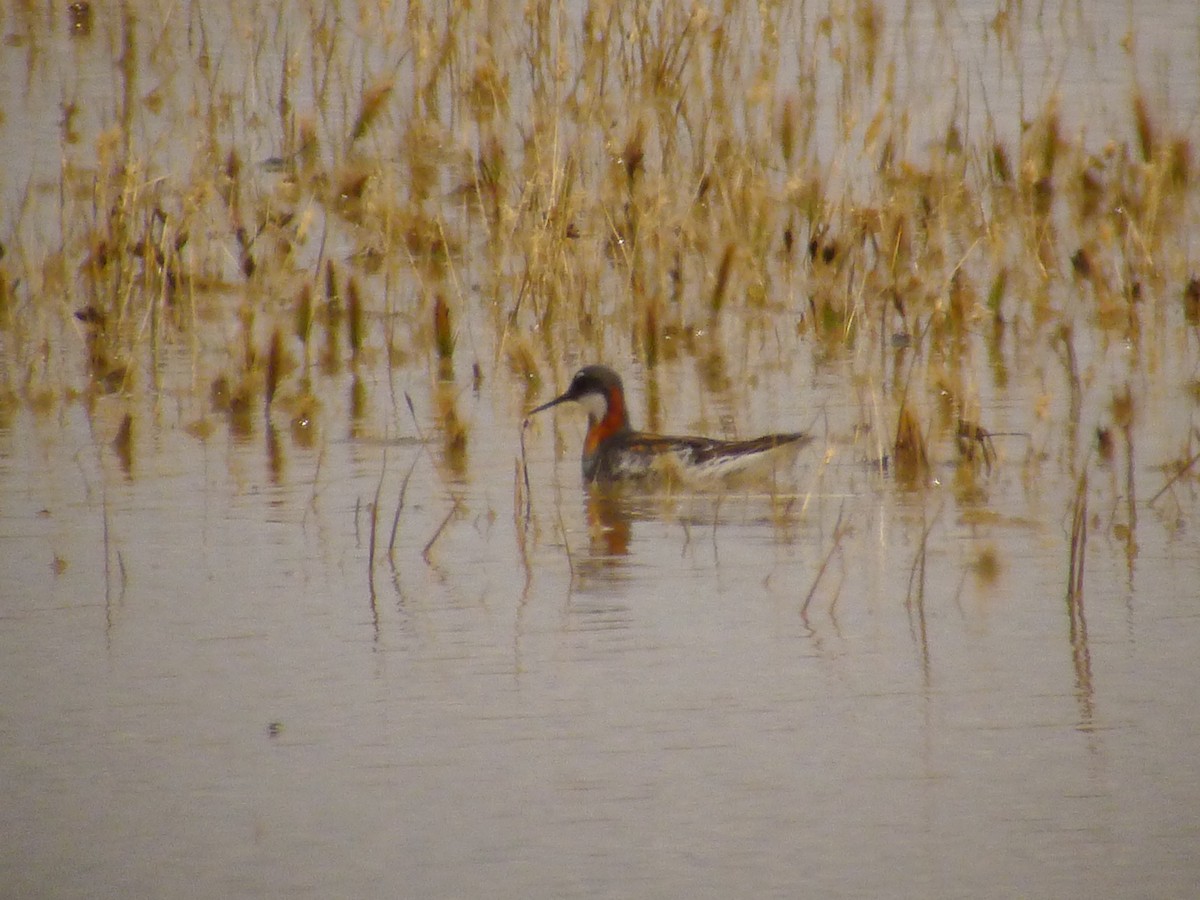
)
(610, 523)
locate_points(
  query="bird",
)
(614, 453)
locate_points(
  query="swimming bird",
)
(614, 453)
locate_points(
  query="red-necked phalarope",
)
(614, 452)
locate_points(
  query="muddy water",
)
(638, 703)
(211, 685)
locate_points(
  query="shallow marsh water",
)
(855, 684)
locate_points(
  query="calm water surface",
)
(633, 705)
(844, 688)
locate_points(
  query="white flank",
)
(742, 470)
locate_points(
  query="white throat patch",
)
(595, 404)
